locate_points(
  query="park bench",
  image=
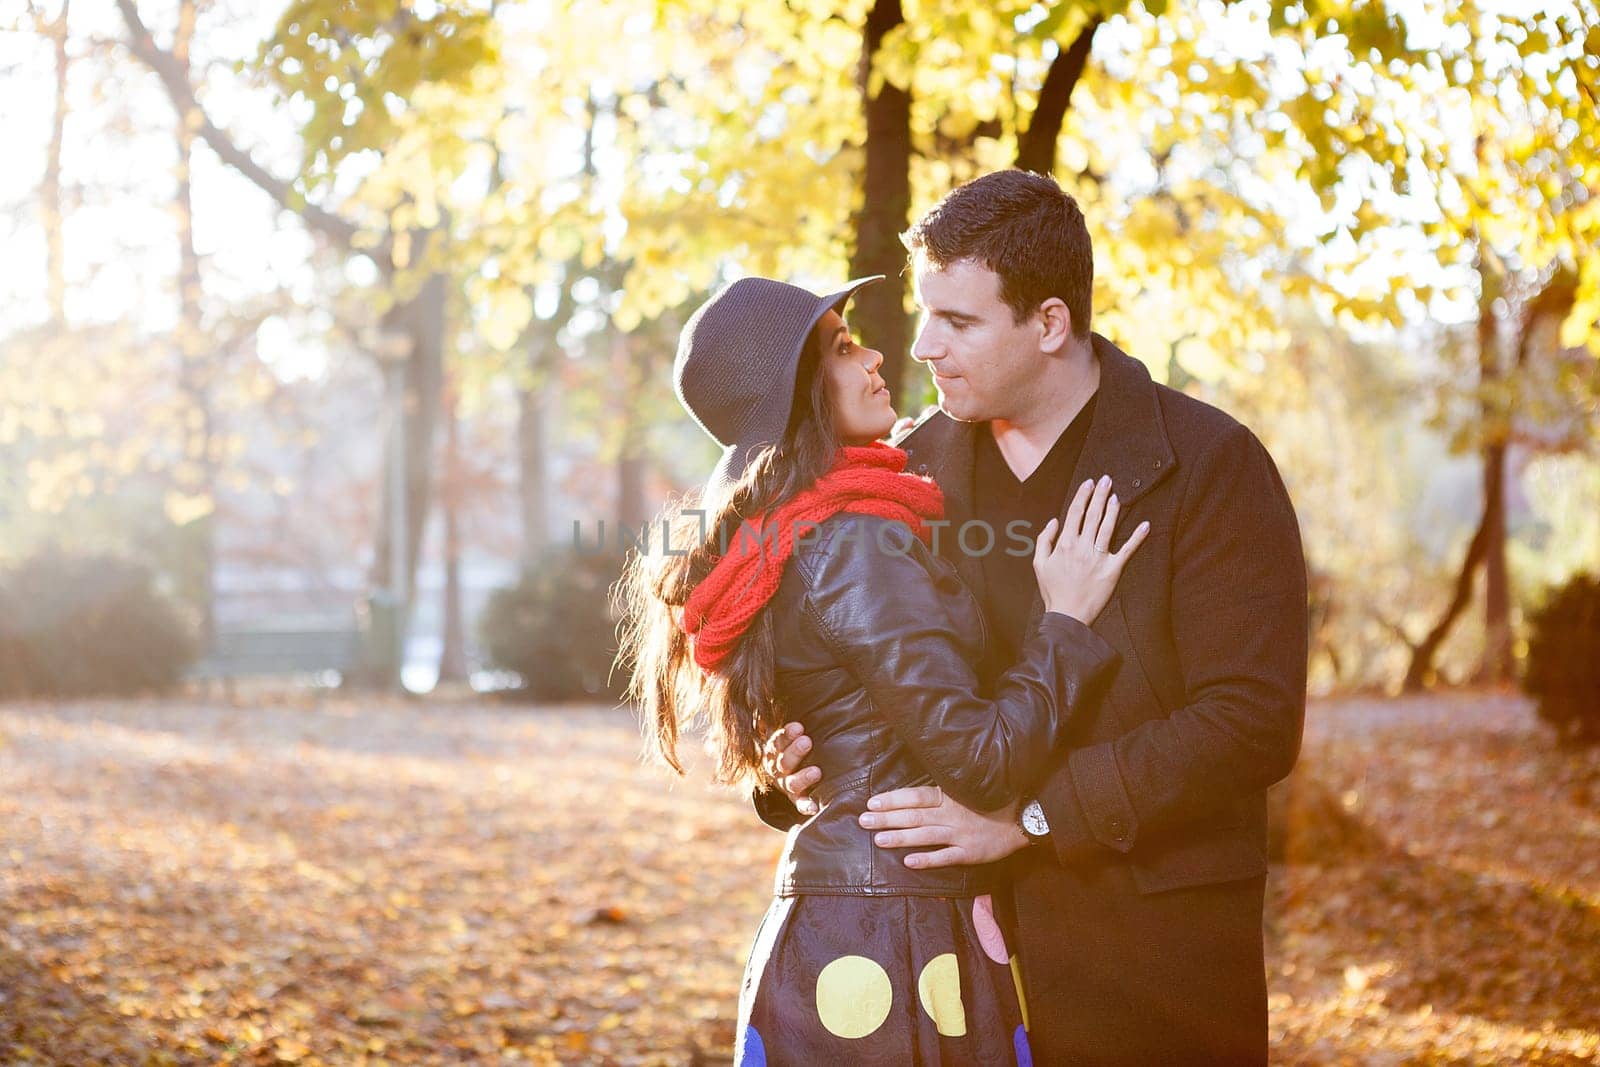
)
(279, 651)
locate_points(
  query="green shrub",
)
(74, 626)
(555, 627)
(1563, 667)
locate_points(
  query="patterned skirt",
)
(881, 980)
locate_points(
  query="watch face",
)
(1033, 821)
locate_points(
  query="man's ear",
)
(1056, 323)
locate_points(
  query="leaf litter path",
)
(458, 883)
(1473, 935)
(360, 883)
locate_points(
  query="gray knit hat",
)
(736, 364)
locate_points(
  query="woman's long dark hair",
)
(736, 703)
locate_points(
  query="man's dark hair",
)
(1023, 227)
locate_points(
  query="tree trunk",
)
(52, 202)
(453, 650)
(1488, 545)
(880, 310)
(1420, 673)
(533, 473)
(1036, 147)
(632, 467)
(424, 377)
(633, 510)
(1553, 302)
(534, 412)
(421, 319)
(1497, 654)
(1498, 659)
(196, 474)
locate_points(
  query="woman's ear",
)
(1056, 323)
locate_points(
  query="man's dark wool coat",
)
(1140, 923)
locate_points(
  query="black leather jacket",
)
(876, 640)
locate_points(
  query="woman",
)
(804, 587)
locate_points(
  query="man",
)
(1138, 867)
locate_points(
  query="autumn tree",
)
(113, 426)
(1483, 145)
(364, 99)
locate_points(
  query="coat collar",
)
(1128, 435)
(1127, 440)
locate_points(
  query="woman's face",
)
(862, 409)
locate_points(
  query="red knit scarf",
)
(866, 480)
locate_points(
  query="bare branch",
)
(175, 79)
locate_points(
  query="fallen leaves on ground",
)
(1473, 934)
(362, 882)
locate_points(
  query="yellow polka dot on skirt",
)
(939, 988)
(1022, 998)
(853, 996)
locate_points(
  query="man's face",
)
(983, 361)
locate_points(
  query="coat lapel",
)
(1127, 440)
(1127, 436)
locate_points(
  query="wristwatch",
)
(1033, 821)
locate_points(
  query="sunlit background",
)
(335, 337)
(237, 235)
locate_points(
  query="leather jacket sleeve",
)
(875, 596)
(775, 808)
